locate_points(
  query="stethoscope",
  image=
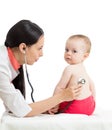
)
(80, 80)
(27, 75)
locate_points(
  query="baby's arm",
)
(65, 78)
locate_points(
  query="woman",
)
(23, 45)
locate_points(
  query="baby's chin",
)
(68, 61)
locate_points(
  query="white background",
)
(60, 19)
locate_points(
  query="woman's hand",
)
(71, 93)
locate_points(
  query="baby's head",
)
(77, 48)
(82, 41)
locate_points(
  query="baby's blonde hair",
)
(84, 38)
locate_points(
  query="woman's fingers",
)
(75, 91)
(71, 93)
(78, 89)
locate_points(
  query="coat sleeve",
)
(12, 98)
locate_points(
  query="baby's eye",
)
(74, 51)
(66, 50)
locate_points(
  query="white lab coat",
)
(12, 98)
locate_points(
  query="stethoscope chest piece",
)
(81, 81)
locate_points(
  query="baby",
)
(77, 49)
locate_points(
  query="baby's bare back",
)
(79, 72)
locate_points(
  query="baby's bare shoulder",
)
(71, 67)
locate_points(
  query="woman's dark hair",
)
(26, 32)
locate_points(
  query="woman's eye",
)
(40, 48)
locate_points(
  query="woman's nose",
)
(41, 53)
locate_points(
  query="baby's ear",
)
(86, 55)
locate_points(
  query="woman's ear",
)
(22, 48)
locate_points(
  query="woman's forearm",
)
(44, 105)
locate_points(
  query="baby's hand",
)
(53, 110)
